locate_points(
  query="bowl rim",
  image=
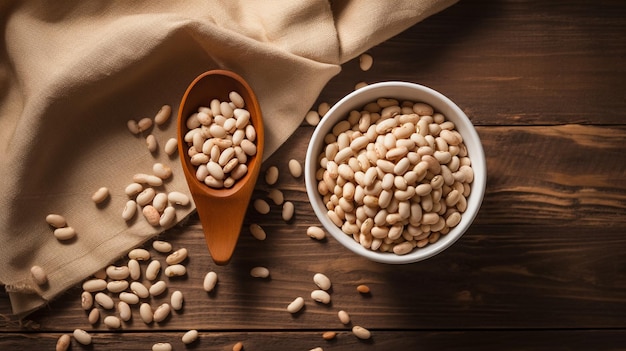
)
(402, 91)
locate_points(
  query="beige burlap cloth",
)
(73, 72)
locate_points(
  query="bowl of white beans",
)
(395, 172)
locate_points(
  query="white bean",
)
(168, 217)
(39, 275)
(93, 285)
(94, 316)
(322, 281)
(190, 336)
(112, 322)
(257, 231)
(130, 209)
(158, 288)
(178, 198)
(210, 280)
(163, 115)
(176, 270)
(129, 298)
(365, 62)
(260, 272)
(56, 220)
(361, 332)
(162, 246)
(176, 300)
(82, 336)
(153, 269)
(86, 300)
(320, 296)
(134, 269)
(162, 346)
(64, 233)
(140, 290)
(316, 232)
(296, 305)
(171, 146)
(100, 195)
(104, 300)
(161, 313)
(151, 143)
(177, 256)
(288, 211)
(116, 286)
(63, 343)
(152, 215)
(261, 206)
(295, 168)
(124, 310)
(146, 313)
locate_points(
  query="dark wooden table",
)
(542, 268)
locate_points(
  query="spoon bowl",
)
(221, 211)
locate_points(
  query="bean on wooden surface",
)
(63, 343)
(210, 280)
(296, 305)
(190, 336)
(260, 272)
(82, 336)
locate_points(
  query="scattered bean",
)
(365, 62)
(276, 196)
(316, 232)
(288, 210)
(94, 316)
(134, 269)
(175, 270)
(260, 272)
(161, 313)
(344, 317)
(100, 195)
(93, 285)
(171, 146)
(329, 335)
(112, 322)
(82, 336)
(323, 108)
(363, 289)
(257, 232)
(117, 272)
(124, 310)
(139, 289)
(130, 209)
(238, 346)
(178, 198)
(139, 254)
(312, 118)
(104, 300)
(129, 298)
(63, 343)
(322, 281)
(153, 269)
(39, 275)
(152, 215)
(133, 189)
(168, 217)
(158, 288)
(163, 115)
(320, 296)
(56, 220)
(271, 175)
(132, 126)
(162, 246)
(64, 233)
(176, 300)
(295, 168)
(144, 124)
(361, 332)
(261, 206)
(190, 336)
(116, 286)
(151, 143)
(162, 346)
(296, 305)
(86, 300)
(210, 280)
(177, 256)
(145, 312)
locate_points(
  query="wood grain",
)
(381, 340)
(541, 268)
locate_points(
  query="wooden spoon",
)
(221, 211)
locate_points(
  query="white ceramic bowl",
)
(400, 91)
